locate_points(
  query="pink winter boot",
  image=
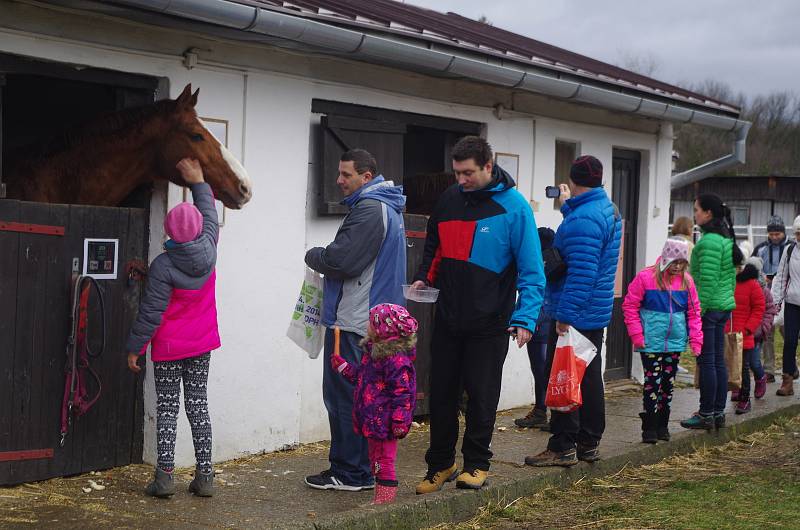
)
(384, 494)
(761, 387)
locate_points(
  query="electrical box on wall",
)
(100, 258)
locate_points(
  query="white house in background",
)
(291, 84)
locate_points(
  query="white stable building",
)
(291, 84)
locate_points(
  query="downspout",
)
(738, 156)
(365, 47)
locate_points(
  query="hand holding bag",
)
(573, 354)
(734, 342)
(305, 328)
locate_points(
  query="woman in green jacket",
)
(713, 267)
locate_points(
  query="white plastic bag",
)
(305, 328)
(778, 321)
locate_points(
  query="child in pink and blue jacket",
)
(178, 320)
(386, 390)
(662, 314)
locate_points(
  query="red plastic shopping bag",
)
(573, 354)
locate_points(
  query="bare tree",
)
(773, 145)
(645, 63)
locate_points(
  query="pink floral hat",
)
(392, 322)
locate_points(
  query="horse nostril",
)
(244, 189)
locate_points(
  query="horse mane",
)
(109, 125)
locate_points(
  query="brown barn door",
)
(625, 194)
(35, 282)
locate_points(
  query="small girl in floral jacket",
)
(386, 390)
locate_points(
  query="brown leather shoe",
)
(787, 386)
(547, 458)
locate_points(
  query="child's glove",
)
(338, 363)
(399, 430)
(638, 342)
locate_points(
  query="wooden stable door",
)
(625, 194)
(416, 226)
(35, 283)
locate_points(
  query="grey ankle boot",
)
(163, 485)
(203, 483)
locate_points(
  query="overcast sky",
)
(754, 46)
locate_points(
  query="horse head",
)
(189, 138)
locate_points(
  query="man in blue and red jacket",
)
(482, 248)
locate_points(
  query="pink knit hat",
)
(392, 322)
(183, 223)
(674, 250)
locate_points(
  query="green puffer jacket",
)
(713, 272)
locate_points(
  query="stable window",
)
(39, 100)
(566, 153)
(411, 149)
(740, 215)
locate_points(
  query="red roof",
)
(406, 20)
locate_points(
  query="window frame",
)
(558, 180)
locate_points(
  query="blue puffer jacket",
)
(588, 241)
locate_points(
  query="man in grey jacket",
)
(364, 265)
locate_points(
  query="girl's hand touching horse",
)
(190, 170)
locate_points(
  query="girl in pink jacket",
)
(662, 314)
(178, 320)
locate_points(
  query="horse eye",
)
(196, 137)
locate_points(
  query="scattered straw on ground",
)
(777, 447)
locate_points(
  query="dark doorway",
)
(40, 243)
(625, 194)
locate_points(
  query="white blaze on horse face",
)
(245, 184)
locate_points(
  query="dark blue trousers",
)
(711, 362)
(537, 354)
(348, 454)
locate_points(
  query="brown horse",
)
(103, 162)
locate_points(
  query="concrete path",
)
(266, 491)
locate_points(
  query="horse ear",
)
(194, 97)
(185, 96)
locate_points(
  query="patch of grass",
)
(753, 482)
(762, 499)
(778, 350)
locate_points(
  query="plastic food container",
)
(425, 295)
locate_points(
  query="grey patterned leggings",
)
(168, 375)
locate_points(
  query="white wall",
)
(264, 392)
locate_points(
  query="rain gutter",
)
(370, 48)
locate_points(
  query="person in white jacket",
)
(786, 288)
